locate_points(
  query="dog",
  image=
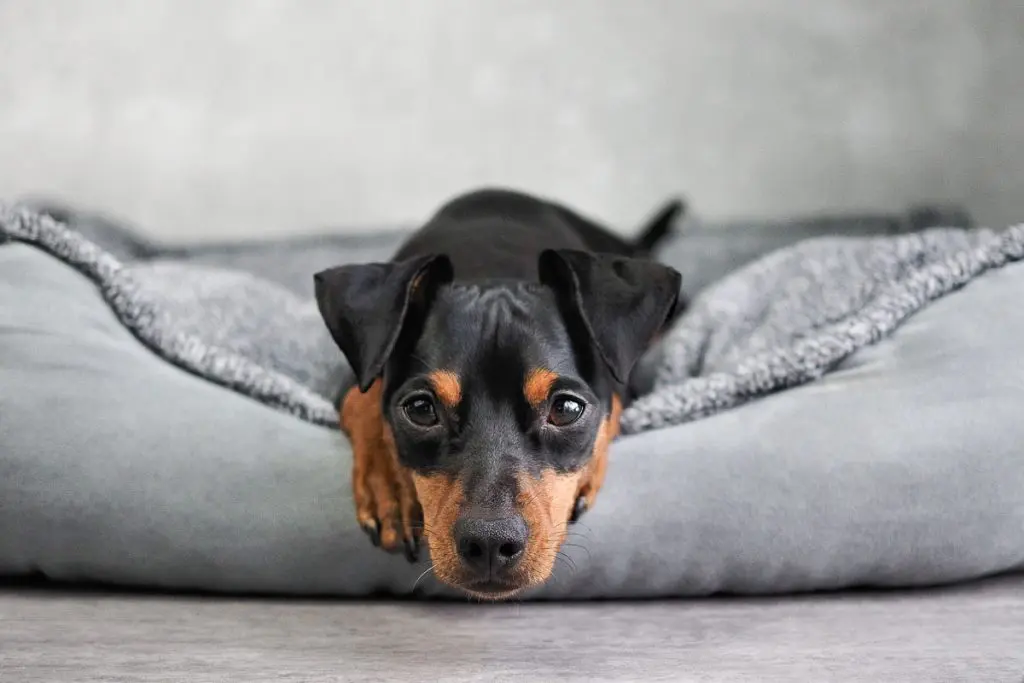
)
(492, 357)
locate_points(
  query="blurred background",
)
(207, 120)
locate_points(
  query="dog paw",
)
(586, 497)
(590, 485)
(387, 508)
(593, 477)
(580, 507)
(386, 505)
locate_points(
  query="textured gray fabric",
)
(901, 467)
(779, 322)
(789, 317)
(970, 633)
(231, 327)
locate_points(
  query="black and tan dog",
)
(491, 357)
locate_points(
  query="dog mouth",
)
(492, 589)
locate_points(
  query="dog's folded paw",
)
(386, 505)
(578, 509)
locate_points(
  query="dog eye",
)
(420, 411)
(565, 410)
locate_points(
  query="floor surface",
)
(967, 633)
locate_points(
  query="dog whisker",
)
(529, 501)
(425, 531)
(575, 535)
(581, 547)
(567, 560)
(420, 577)
(573, 525)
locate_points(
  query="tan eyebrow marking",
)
(447, 387)
(537, 386)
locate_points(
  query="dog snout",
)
(490, 548)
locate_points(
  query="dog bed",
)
(898, 465)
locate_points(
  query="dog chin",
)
(492, 591)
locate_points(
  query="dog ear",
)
(623, 302)
(366, 305)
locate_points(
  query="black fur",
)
(497, 284)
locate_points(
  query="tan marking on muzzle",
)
(545, 503)
(440, 496)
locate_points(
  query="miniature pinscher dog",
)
(491, 356)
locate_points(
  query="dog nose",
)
(489, 547)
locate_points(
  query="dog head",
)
(497, 395)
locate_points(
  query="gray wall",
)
(215, 118)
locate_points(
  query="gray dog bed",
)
(897, 465)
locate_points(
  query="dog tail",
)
(660, 226)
